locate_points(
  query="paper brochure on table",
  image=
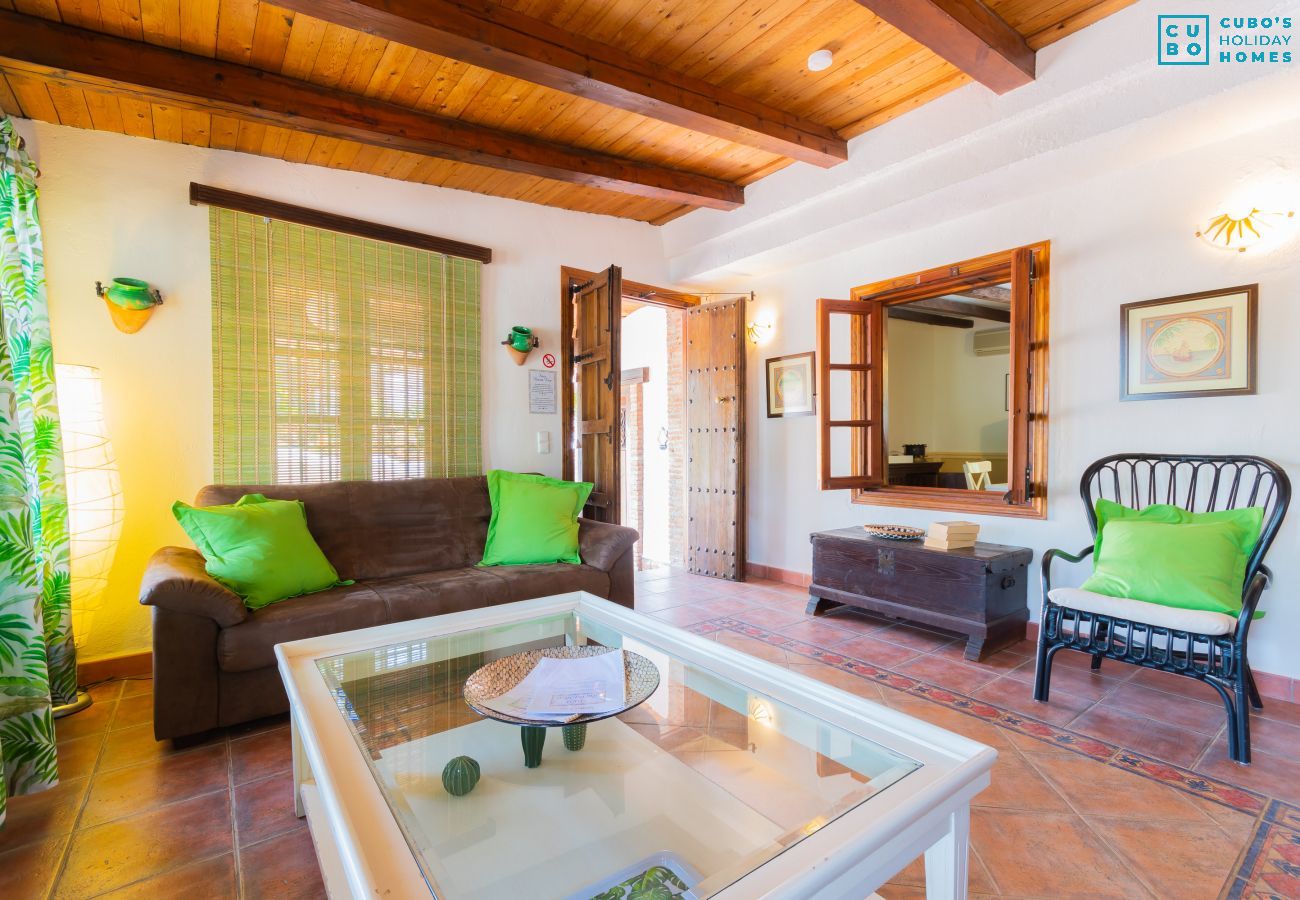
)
(559, 690)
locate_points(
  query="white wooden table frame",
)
(363, 853)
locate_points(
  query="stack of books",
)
(951, 535)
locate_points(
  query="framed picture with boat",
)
(1192, 345)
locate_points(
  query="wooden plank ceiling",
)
(644, 109)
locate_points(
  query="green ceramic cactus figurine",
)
(460, 775)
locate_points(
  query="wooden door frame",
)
(632, 290)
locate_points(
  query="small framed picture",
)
(791, 386)
(1192, 345)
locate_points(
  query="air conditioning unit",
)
(992, 342)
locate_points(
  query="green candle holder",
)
(533, 737)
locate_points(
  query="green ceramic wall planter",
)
(460, 775)
(520, 342)
(130, 302)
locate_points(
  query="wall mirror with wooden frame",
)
(935, 387)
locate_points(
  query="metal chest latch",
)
(885, 562)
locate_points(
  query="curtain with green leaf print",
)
(38, 665)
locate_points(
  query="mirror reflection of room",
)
(946, 390)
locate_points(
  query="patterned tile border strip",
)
(1270, 868)
(1209, 788)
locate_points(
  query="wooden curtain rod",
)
(202, 194)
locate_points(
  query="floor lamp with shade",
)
(94, 499)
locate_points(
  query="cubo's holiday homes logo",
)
(1230, 40)
(1184, 41)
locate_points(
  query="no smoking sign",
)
(548, 360)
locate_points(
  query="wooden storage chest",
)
(979, 592)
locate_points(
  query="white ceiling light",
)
(819, 60)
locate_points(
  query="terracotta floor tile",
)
(1018, 785)
(1019, 697)
(913, 876)
(1077, 680)
(855, 620)
(1094, 788)
(818, 632)
(753, 647)
(790, 602)
(953, 720)
(662, 585)
(1238, 826)
(283, 868)
(1273, 776)
(770, 617)
(89, 721)
(105, 691)
(683, 616)
(1075, 660)
(1171, 709)
(209, 879)
(876, 652)
(260, 755)
(1275, 738)
(1043, 854)
(134, 710)
(1173, 684)
(917, 638)
(845, 681)
(117, 854)
(264, 809)
(37, 817)
(29, 870)
(1279, 711)
(134, 687)
(1001, 662)
(136, 744)
(649, 603)
(124, 792)
(1169, 743)
(952, 674)
(77, 757)
(725, 606)
(1174, 858)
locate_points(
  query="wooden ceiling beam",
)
(926, 318)
(962, 308)
(490, 36)
(103, 62)
(967, 34)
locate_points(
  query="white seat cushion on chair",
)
(1197, 621)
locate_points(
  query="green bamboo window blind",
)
(338, 357)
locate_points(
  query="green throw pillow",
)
(1167, 555)
(534, 519)
(259, 548)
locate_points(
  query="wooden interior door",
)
(715, 439)
(594, 371)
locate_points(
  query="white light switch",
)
(543, 442)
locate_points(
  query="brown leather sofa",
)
(411, 547)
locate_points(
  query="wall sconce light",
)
(520, 342)
(130, 302)
(1240, 229)
(760, 331)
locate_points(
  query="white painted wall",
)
(113, 205)
(1123, 236)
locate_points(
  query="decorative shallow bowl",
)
(895, 532)
(641, 679)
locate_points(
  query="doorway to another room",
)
(652, 433)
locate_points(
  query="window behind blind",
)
(337, 357)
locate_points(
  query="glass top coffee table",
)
(738, 777)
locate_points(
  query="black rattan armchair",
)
(1215, 653)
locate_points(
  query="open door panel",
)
(594, 371)
(715, 432)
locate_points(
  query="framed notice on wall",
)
(542, 391)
